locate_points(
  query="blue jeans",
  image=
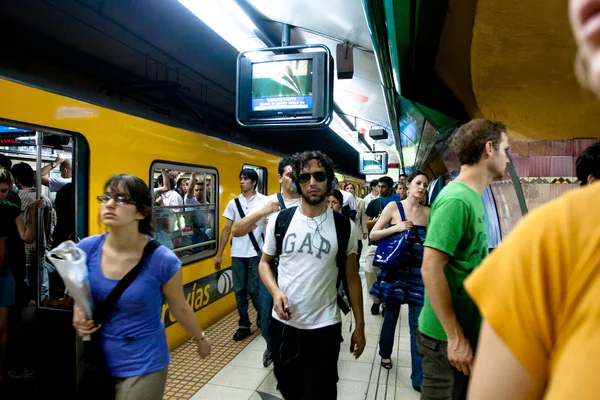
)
(265, 307)
(386, 340)
(245, 282)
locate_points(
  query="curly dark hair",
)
(300, 161)
(588, 163)
(284, 163)
(469, 140)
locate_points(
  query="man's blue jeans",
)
(386, 340)
(265, 307)
(245, 282)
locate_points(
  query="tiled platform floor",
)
(235, 370)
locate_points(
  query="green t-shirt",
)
(456, 227)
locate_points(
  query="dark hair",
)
(387, 180)
(588, 163)
(414, 174)
(470, 139)
(338, 195)
(251, 174)
(5, 162)
(373, 183)
(401, 175)
(301, 160)
(23, 173)
(139, 192)
(346, 184)
(284, 163)
(6, 177)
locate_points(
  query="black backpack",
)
(342, 230)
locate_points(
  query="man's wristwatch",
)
(201, 338)
(53, 165)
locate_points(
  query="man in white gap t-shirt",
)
(260, 217)
(244, 255)
(306, 330)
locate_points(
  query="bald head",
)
(66, 169)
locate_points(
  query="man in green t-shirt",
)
(456, 244)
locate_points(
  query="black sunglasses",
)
(320, 176)
(119, 199)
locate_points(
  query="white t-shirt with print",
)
(307, 271)
(242, 246)
(289, 203)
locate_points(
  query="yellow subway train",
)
(36, 126)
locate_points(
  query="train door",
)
(51, 166)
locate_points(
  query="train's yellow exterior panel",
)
(121, 143)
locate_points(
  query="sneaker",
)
(241, 334)
(267, 358)
(22, 374)
(375, 308)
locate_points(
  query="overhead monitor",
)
(375, 163)
(285, 90)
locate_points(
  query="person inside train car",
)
(404, 283)
(11, 270)
(199, 217)
(306, 329)
(587, 166)
(360, 219)
(55, 183)
(171, 216)
(373, 212)
(456, 244)
(183, 187)
(259, 217)
(545, 344)
(25, 180)
(374, 185)
(133, 334)
(13, 197)
(245, 250)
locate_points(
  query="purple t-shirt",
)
(133, 334)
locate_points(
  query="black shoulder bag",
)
(94, 381)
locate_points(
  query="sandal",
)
(386, 364)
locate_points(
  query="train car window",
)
(52, 166)
(262, 177)
(185, 209)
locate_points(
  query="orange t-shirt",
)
(540, 292)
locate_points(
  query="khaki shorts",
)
(143, 387)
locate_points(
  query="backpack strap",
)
(342, 232)
(104, 308)
(401, 209)
(250, 234)
(284, 219)
(281, 202)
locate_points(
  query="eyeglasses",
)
(119, 199)
(320, 176)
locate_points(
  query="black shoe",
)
(383, 310)
(375, 308)
(417, 388)
(241, 334)
(267, 358)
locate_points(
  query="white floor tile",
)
(404, 359)
(378, 392)
(354, 371)
(258, 344)
(407, 393)
(269, 385)
(250, 358)
(403, 376)
(352, 390)
(212, 392)
(366, 357)
(383, 376)
(372, 329)
(240, 377)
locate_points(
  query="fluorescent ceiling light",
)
(228, 20)
(342, 130)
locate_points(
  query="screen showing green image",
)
(282, 85)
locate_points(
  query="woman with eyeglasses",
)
(133, 334)
(403, 284)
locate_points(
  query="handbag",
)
(390, 249)
(94, 381)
